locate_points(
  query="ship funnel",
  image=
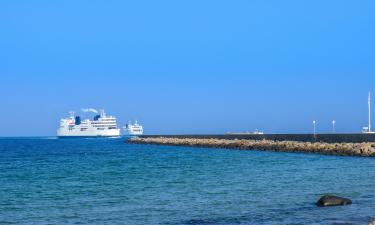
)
(77, 120)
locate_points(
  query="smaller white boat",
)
(133, 129)
(247, 132)
(258, 132)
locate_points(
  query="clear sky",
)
(188, 66)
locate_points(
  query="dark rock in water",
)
(331, 200)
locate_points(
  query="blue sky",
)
(188, 66)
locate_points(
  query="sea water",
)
(107, 181)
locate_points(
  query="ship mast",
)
(71, 113)
(102, 113)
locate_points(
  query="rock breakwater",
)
(366, 149)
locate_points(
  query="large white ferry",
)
(133, 129)
(101, 126)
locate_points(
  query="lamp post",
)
(333, 126)
(314, 123)
(369, 112)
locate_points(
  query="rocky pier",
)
(365, 149)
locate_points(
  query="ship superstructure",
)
(101, 126)
(133, 129)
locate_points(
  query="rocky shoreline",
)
(366, 149)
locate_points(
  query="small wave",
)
(48, 138)
(30, 138)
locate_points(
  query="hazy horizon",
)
(188, 67)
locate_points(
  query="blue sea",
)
(107, 181)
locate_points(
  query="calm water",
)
(105, 181)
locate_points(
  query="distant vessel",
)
(258, 132)
(101, 126)
(134, 129)
(247, 132)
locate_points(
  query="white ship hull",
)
(133, 133)
(88, 133)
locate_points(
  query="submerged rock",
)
(331, 200)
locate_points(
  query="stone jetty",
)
(366, 149)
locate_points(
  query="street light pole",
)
(369, 112)
(314, 123)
